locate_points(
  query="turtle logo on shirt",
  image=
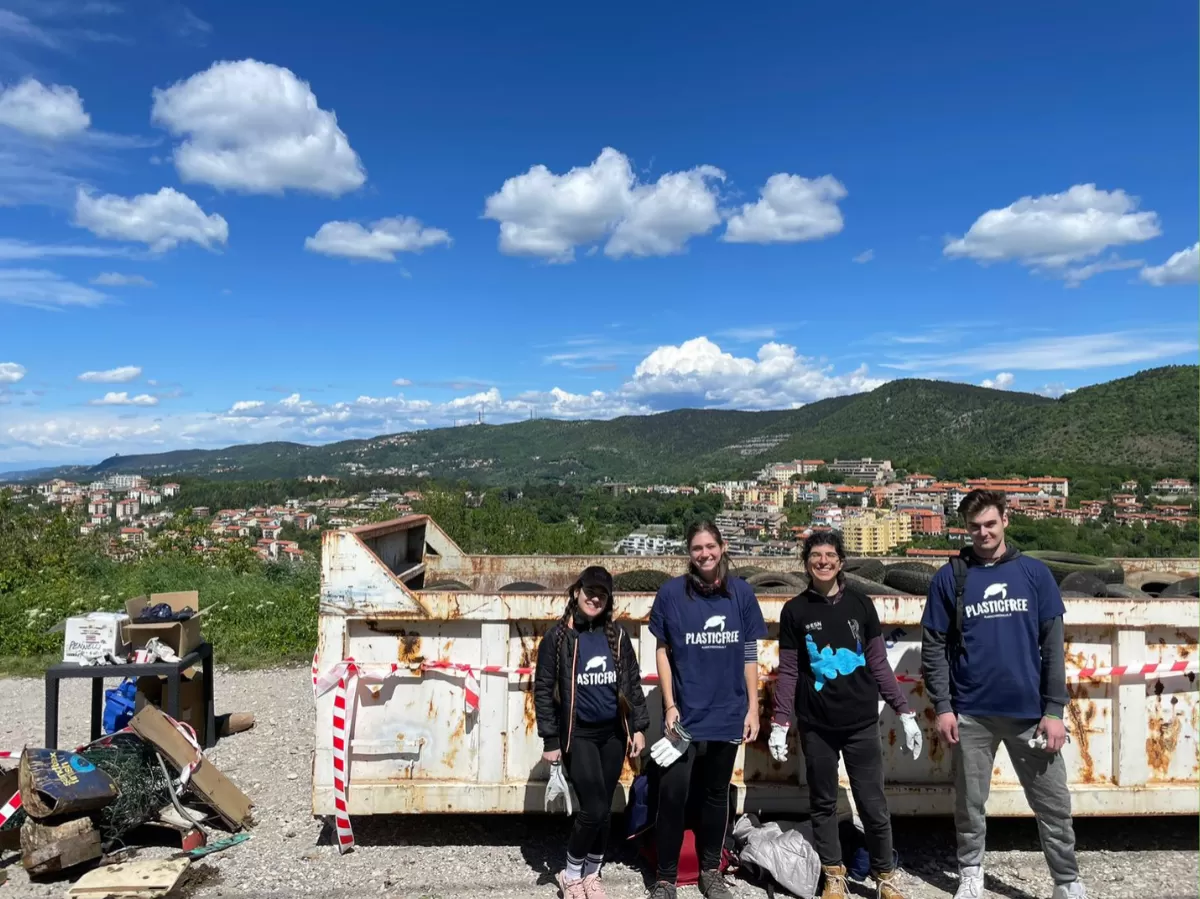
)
(996, 604)
(596, 674)
(715, 621)
(828, 663)
(1000, 590)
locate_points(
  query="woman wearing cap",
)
(833, 668)
(708, 625)
(591, 711)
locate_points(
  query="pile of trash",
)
(66, 812)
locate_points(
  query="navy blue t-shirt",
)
(707, 636)
(595, 679)
(1004, 605)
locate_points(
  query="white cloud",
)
(548, 215)
(20, 28)
(256, 127)
(1076, 275)
(1002, 381)
(44, 289)
(1055, 390)
(864, 257)
(381, 243)
(116, 279)
(698, 372)
(12, 249)
(791, 209)
(11, 372)
(1053, 230)
(402, 382)
(1062, 353)
(160, 220)
(52, 112)
(1182, 268)
(122, 375)
(124, 399)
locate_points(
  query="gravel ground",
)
(436, 857)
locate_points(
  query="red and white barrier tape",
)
(10, 808)
(343, 676)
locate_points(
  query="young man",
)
(993, 661)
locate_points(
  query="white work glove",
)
(668, 751)
(777, 742)
(557, 787)
(913, 740)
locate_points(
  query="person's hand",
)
(1055, 733)
(913, 740)
(947, 725)
(553, 756)
(750, 727)
(637, 745)
(670, 719)
(777, 742)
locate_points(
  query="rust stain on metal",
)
(1081, 723)
(1161, 744)
(929, 713)
(937, 751)
(457, 738)
(408, 648)
(892, 737)
(919, 689)
(996, 771)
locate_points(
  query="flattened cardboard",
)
(181, 636)
(142, 879)
(218, 791)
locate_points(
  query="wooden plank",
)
(146, 879)
(50, 848)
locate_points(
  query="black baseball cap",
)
(595, 578)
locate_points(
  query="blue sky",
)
(223, 223)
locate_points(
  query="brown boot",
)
(887, 885)
(835, 882)
(234, 723)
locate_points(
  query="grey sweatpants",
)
(1043, 777)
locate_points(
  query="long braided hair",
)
(605, 619)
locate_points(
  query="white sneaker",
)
(970, 883)
(1073, 890)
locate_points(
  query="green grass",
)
(265, 615)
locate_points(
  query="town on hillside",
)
(878, 510)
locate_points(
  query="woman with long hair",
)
(833, 668)
(591, 711)
(708, 625)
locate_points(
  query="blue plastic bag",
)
(118, 705)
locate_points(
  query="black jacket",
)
(554, 688)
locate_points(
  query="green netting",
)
(141, 787)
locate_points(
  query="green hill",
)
(1144, 423)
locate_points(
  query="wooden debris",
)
(49, 848)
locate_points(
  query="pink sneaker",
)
(571, 889)
(593, 888)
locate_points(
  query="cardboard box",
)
(192, 710)
(93, 635)
(181, 636)
(214, 787)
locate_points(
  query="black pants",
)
(594, 767)
(864, 765)
(712, 763)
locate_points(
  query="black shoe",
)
(713, 886)
(662, 890)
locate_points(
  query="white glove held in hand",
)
(777, 742)
(668, 750)
(557, 788)
(913, 741)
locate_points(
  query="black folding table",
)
(172, 671)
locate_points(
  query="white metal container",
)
(413, 747)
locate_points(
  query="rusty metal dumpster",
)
(414, 744)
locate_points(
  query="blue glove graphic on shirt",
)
(828, 664)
